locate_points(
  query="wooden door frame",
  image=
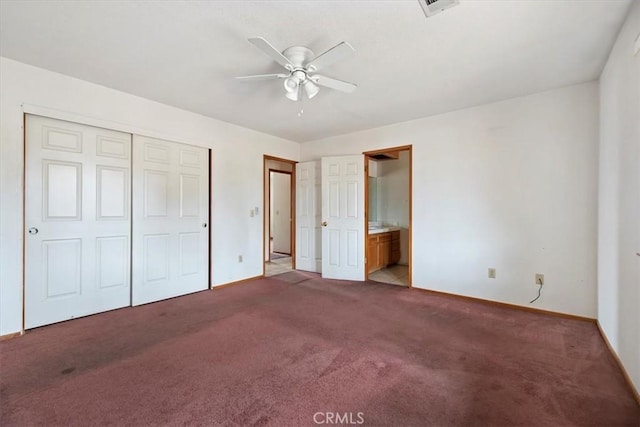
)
(368, 156)
(266, 195)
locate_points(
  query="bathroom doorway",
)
(388, 192)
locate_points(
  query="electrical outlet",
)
(539, 279)
(239, 258)
(492, 273)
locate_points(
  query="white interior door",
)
(77, 243)
(280, 214)
(308, 217)
(170, 219)
(343, 231)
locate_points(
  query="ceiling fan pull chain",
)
(301, 98)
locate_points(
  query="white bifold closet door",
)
(170, 219)
(77, 219)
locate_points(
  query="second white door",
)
(170, 219)
(343, 231)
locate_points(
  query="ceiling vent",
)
(431, 7)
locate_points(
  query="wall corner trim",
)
(625, 374)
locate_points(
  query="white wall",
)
(510, 185)
(236, 168)
(619, 198)
(393, 198)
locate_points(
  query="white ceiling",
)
(406, 66)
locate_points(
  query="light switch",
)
(251, 213)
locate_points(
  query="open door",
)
(343, 217)
(308, 219)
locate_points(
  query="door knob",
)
(324, 223)
(33, 230)
(204, 225)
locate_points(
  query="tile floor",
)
(395, 275)
(277, 266)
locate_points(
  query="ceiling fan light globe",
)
(291, 85)
(292, 95)
(311, 89)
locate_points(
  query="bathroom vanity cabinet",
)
(384, 250)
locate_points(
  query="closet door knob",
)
(204, 225)
(33, 230)
(324, 223)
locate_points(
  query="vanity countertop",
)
(377, 230)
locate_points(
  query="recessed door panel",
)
(189, 195)
(190, 255)
(352, 169)
(112, 192)
(58, 138)
(190, 158)
(170, 219)
(304, 243)
(352, 199)
(111, 147)
(156, 153)
(352, 248)
(334, 199)
(334, 247)
(76, 217)
(156, 193)
(304, 202)
(156, 256)
(62, 190)
(62, 267)
(112, 261)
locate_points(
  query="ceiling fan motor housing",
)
(298, 55)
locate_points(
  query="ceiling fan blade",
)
(271, 51)
(338, 52)
(260, 77)
(334, 83)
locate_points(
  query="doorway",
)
(278, 216)
(388, 193)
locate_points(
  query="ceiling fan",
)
(301, 65)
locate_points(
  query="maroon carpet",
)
(270, 352)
